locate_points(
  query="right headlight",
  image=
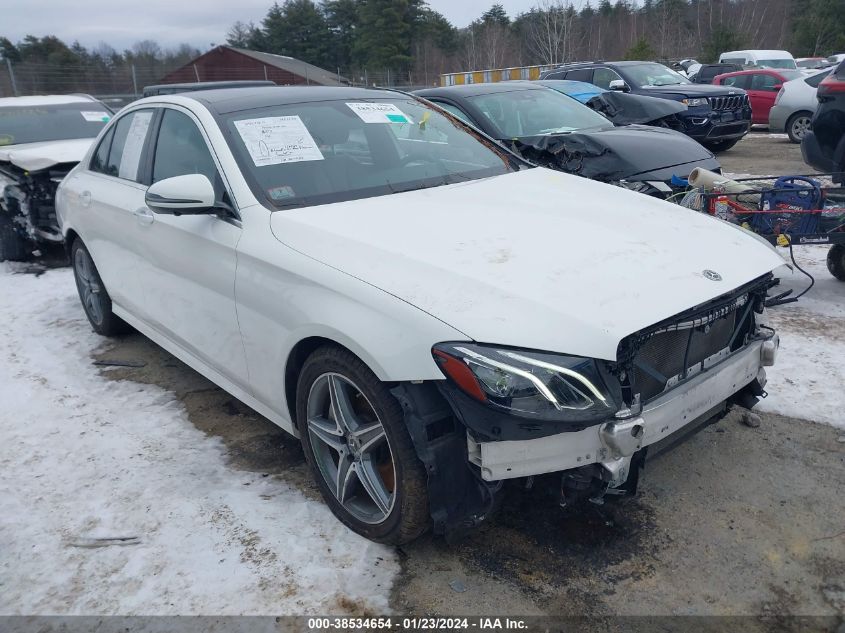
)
(527, 383)
(695, 101)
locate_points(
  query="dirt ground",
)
(762, 154)
(737, 521)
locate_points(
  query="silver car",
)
(795, 105)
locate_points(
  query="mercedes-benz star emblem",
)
(712, 275)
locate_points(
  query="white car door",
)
(106, 196)
(187, 264)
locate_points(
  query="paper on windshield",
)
(274, 140)
(131, 156)
(379, 112)
(93, 116)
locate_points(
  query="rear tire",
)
(721, 146)
(836, 261)
(385, 498)
(13, 247)
(93, 295)
(797, 126)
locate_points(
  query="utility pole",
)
(134, 81)
(12, 76)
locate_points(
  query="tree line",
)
(410, 39)
(407, 35)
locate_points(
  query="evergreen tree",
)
(382, 38)
(299, 29)
(641, 50)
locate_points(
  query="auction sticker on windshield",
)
(379, 113)
(278, 139)
(95, 117)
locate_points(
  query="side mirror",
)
(776, 87)
(619, 84)
(190, 194)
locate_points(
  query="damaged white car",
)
(41, 139)
(430, 314)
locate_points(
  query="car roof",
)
(227, 100)
(755, 71)
(612, 63)
(472, 90)
(44, 100)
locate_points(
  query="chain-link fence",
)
(123, 83)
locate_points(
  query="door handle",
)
(85, 198)
(144, 215)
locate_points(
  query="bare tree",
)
(549, 26)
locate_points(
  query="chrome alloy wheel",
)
(800, 126)
(351, 448)
(88, 283)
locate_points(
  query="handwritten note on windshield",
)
(278, 139)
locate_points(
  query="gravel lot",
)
(736, 521)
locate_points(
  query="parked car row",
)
(430, 313)
(42, 138)
(716, 116)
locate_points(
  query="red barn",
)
(226, 63)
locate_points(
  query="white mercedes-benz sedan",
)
(430, 314)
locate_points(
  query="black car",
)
(706, 73)
(551, 129)
(823, 146)
(717, 116)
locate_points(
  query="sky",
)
(120, 23)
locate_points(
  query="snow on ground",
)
(808, 381)
(82, 457)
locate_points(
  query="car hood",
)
(535, 259)
(616, 153)
(37, 156)
(691, 90)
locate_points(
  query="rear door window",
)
(129, 138)
(580, 74)
(763, 81)
(736, 81)
(101, 156)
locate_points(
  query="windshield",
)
(316, 153)
(777, 63)
(654, 75)
(535, 112)
(55, 122)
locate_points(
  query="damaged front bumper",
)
(466, 474)
(613, 443)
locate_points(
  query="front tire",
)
(836, 261)
(797, 126)
(92, 293)
(360, 453)
(13, 247)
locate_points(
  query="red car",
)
(762, 86)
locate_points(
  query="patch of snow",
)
(765, 135)
(807, 380)
(82, 457)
